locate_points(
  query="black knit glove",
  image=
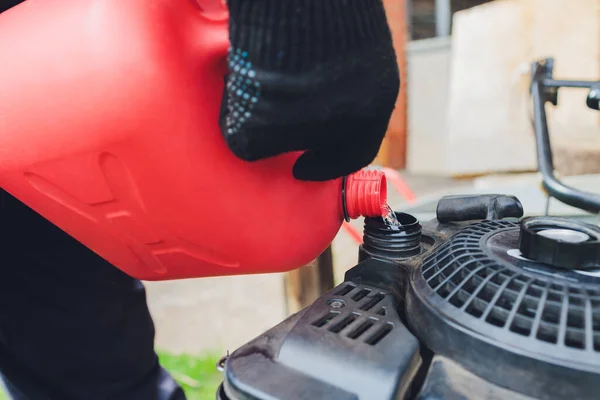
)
(315, 75)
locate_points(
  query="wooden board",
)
(489, 111)
(392, 153)
(304, 285)
(571, 34)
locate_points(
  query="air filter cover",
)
(521, 324)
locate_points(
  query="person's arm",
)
(316, 75)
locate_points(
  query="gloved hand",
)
(315, 75)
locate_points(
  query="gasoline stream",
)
(389, 217)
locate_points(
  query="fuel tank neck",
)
(394, 242)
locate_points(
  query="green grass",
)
(197, 375)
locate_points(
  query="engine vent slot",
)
(380, 334)
(344, 323)
(327, 318)
(372, 302)
(365, 315)
(345, 290)
(555, 311)
(361, 294)
(361, 329)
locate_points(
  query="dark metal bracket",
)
(544, 89)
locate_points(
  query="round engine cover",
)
(521, 324)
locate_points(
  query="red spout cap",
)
(364, 194)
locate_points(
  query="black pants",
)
(72, 326)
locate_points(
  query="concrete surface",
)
(214, 314)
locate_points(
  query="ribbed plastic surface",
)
(515, 301)
(366, 193)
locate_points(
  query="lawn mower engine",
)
(475, 304)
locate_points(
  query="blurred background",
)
(462, 124)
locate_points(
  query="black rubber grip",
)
(478, 207)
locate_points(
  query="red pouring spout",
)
(365, 194)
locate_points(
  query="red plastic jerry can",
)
(109, 129)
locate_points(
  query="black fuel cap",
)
(560, 242)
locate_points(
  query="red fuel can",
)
(109, 129)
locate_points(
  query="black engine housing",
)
(447, 310)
